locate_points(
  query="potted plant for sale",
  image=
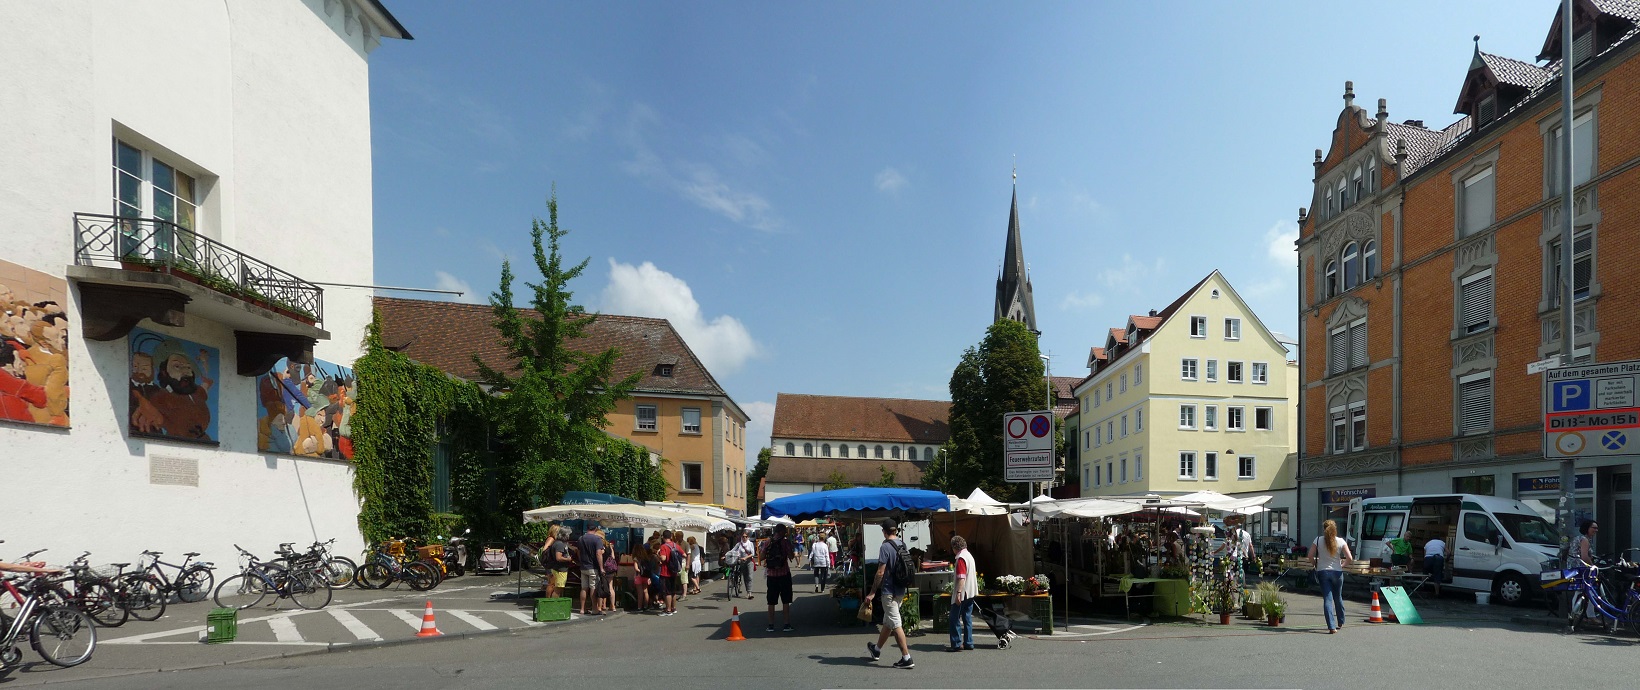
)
(1269, 597)
(1224, 594)
(1275, 612)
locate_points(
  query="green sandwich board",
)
(1396, 599)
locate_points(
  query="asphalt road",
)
(1482, 650)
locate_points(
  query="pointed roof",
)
(1014, 285)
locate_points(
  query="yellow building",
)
(1199, 396)
(678, 411)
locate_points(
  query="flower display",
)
(1037, 584)
(1012, 584)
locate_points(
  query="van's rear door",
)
(1352, 530)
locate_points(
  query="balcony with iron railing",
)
(130, 269)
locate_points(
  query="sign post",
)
(1027, 440)
(1588, 412)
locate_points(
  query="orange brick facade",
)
(1416, 351)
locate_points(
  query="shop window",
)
(1483, 485)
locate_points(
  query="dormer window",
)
(663, 370)
(1488, 109)
(1582, 46)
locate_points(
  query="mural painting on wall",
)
(34, 359)
(173, 385)
(306, 409)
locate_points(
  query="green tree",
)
(886, 479)
(754, 479)
(837, 481)
(1004, 373)
(552, 402)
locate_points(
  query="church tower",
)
(1014, 283)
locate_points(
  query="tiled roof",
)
(1145, 323)
(1161, 317)
(789, 470)
(861, 419)
(1424, 145)
(446, 335)
(1119, 335)
(1515, 72)
(1627, 9)
(1063, 386)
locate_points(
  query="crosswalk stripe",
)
(354, 625)
(407, 617)
(520, 615)
(472, 620)
(284, 629)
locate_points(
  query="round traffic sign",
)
(1614, 440)
(1040, 426)
(1016, 427)
(1569, 443)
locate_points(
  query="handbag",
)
(864, 614)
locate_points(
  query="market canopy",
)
(858, 499)
(1213, 500)
(980, 498)
(620, 515)
(1089, 508)
(723, 526)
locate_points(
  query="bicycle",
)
(382, 569)
(738, 575)
(97, 595)
(1590, 601)
(305, 587)
(340, 570)
(145, 592)
(61, 635)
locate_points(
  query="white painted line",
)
(197, 629)
(528, 620)
(355, 626)
(412, 619)
(238, 643)
(284, 629)
(471, 619)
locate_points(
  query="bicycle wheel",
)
(194, 584)
(422, 577)
(339, 570)
(1578, 612)
(63, 636)
(100, 599)
(143, 595)
(373, 576)
(241, 592)
(309, 589)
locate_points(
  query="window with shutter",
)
(1475, 404)
(1582, 46)
(1488, 110)
(1582, 267)
(1338, 347)
(1477, 202)
(1475, 303)
(1358, 344)
(1583, 153)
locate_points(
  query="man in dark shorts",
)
(669, 574)
(591, 562)
(777, 565)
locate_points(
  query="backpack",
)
(674, 559)
(903, 573)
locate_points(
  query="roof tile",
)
(864, 419)
(789, 470)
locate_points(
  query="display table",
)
(1169, 596)
(1040, 607)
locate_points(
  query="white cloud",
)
(698, 183)
(722, 343)
(759, 429)
(1131, 274)
(1081, 300)
(445, 281)
(1278, 241)
(890, 181)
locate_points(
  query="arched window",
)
(928, 454)
(894, 452)
(1358, 183)
(1351, 258)
(1327, 208)
(791, 449)
(842, 450)
(1332, 278)
(862, 450)
(1372, 174)
(878, 452)
(1343, 194)
(1369, 261)
(825, 450)
(808, 450)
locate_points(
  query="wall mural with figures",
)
(173, 388)
(33, 346)
(306, 409)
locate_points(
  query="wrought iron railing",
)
(157, 245)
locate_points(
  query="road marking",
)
(284, 629)
(520, 615)
(198, 629)
(355, 626)
(410, 618)
(472, 620)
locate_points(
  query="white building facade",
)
(179, 176)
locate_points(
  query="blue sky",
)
(817, 195)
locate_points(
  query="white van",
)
(1493, 544)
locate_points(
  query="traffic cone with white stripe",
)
(1377, 613)
(734, 627)
(428, 627)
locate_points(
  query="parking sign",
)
(1591, 411)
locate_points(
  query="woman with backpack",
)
(777, 567)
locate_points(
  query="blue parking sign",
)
(1567, 396)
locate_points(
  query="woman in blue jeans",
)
(1331, 554)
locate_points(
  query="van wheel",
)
(1510, 588)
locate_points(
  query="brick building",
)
(1427, 280)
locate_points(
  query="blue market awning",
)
(860, 499)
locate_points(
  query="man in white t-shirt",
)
(820, 562)
(831, 545)
(1435, 561)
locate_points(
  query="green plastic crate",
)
(221, 625)
(547, 610)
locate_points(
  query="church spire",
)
(1014, 300)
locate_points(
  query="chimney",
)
(1349, 94)
(1153, 312)
(1414, 123)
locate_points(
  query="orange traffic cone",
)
(1377, 614)
(734, 627)
(428, 627)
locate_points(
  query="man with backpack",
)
(777, 568)
(670, 559)
(893, 578)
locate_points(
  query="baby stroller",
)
(493, 560)
(999, 625)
